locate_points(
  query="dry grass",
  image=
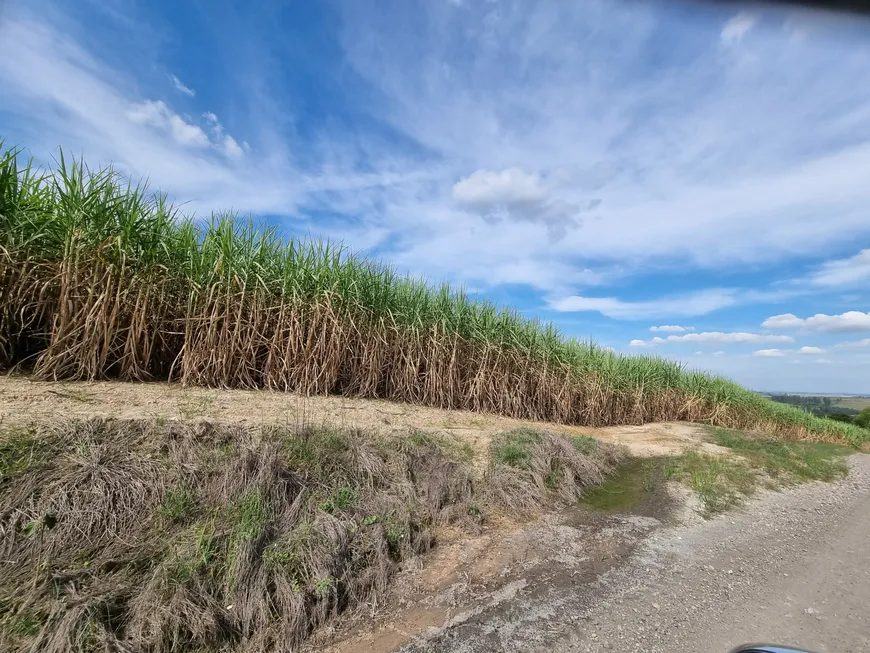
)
(166, 536)
(528, 468)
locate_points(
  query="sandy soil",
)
(23, 400)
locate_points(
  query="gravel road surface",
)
(790, 568)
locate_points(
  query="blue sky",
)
(607, 165)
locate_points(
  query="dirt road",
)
(792, 567)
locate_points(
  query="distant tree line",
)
(826, 407)
(820, 406)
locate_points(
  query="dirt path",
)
(793, 568)
(22, 399)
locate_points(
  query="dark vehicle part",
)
(767, 648)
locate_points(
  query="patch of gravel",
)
(791, 566)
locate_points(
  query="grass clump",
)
(249, 514)
(719, 482)
(195, 552)
(530, 468)
(147, 293)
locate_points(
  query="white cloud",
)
(784, 321)
(769, 353)
(485, 187)
(226, 143)
(824, 361)
(737, 27)
(516, 195)
(698, 353)
(811, 350)
(851, 321)
(231, 147)
(698, 303)
(844, 272)
(718, 354)
(158, 114)
(714, 338)
(180, 86)
(737, 337)
(671, 328)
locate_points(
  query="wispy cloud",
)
(699, 303)
(86, 104)
(180, 86)
(492, 98)
(693, 304)
(157, 114)
(810, 350)
(737, 27)
(227, 143)
(843, 272)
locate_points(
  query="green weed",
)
(341, 498)
(196, 552)
(450, 446)
(787, 461)
(629, 485)
(18, 451)
(195, 407)
(178, 505)
(584, 443)
(249, 515)
(24, 625)
(514, 448)
(719, 482)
